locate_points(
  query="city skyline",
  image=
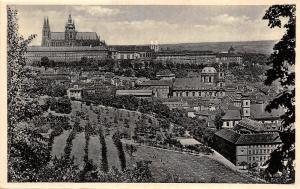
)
(125, 25)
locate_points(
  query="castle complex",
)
(70, 37)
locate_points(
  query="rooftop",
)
(248, 139)
(232, 115)
(69, 48)
(192, 83)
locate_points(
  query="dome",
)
(209, 70)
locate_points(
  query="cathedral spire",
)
(44, 25)
(47, 22)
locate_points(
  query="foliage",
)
(218, 120)
(282, 62)
(140, 173)
(130, 149)
(61, 105)
(104, 161)
(117, 141)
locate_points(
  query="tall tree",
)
(282, 62)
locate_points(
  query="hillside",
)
(264, 47)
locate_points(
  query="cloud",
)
(229, 20)
(97, 10)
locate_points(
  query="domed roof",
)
(209, 70)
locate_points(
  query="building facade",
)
(246, 149)
(65, 54)
(210, 84)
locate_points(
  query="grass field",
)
(168, 166)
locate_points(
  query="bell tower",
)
(70, 32)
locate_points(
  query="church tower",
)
(70, 32)
(46, 33)
(246, 106)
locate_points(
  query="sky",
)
(141, 24)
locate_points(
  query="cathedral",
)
(70, 37)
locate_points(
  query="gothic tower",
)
(70, 32)
(46, 33)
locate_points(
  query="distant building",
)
(160, 88)
(75, 92)
(246, 149)
(65, 54)
(165, 75)
(136, 93)
(131, 52)
(210, 84)
(229, 57)
(70, 37)
(244, 109)
(67, 46)
(249, 126)
(183, 57)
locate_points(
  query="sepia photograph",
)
(150, 93)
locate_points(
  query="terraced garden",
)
(166, 166)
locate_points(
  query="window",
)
(249, 158)
(249, 151)
(253, 158)
(193, 93)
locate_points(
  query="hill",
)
(264, 47)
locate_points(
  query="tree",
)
(282, 61)
(45, 61)
(218, 120)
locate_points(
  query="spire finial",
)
(70, 18)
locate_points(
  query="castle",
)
(70, 37)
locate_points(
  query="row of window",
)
(260, 151)
(264, 146)
(199, 93)
(258, 158)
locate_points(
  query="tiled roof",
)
(260, 138)
(86, 36)
(255, 126)
(192, 83)
(248, 139)
(232, 115)
(229, 135)
(58, 35)
(79, 36)
(66, 48)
